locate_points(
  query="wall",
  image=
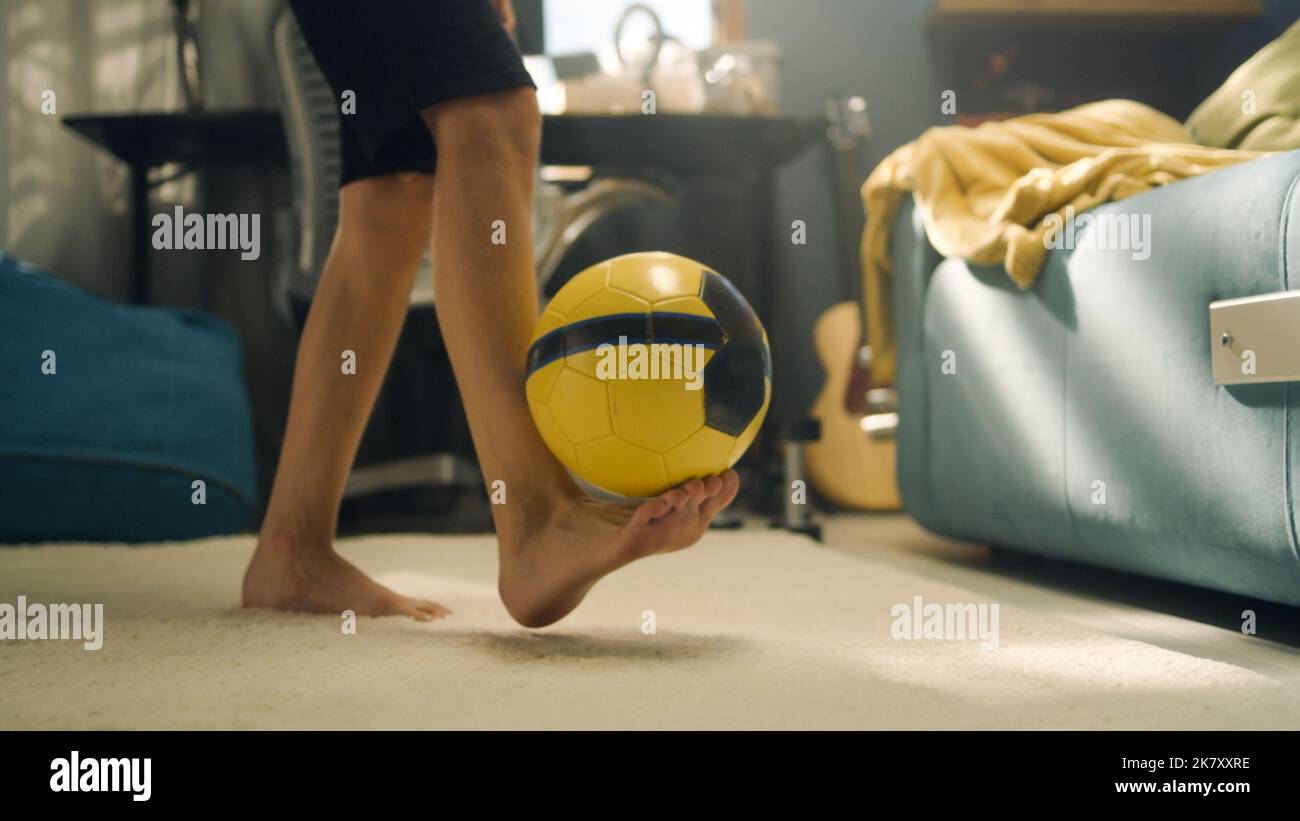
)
(63, 202)
(874, 48)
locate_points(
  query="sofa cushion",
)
(1258, 106)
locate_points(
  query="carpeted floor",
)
(753, 629)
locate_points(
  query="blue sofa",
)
(1081, 420)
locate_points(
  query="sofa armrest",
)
(1081, 418)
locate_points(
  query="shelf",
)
(947, 14)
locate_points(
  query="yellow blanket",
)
(984, 192)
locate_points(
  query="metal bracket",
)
(881, 418)
(1255, 339)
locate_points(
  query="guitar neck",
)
(846, 162)
(848, 130)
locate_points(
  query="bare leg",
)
(359, 306)
(555, 543)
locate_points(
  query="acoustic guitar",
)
(853, 463)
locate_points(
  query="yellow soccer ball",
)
(648, 370)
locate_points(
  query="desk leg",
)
(140, 229)
(765, 236)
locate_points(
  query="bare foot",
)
(549, 562)
(284, 576)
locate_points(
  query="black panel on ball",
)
(735, 380)
(638, 328)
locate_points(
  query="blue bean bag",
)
(117, 423)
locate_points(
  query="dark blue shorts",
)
(399, 57)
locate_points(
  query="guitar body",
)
(846, 465)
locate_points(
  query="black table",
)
(746, 149)
(676, 143)
(206, 139)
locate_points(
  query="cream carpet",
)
(754, 629)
